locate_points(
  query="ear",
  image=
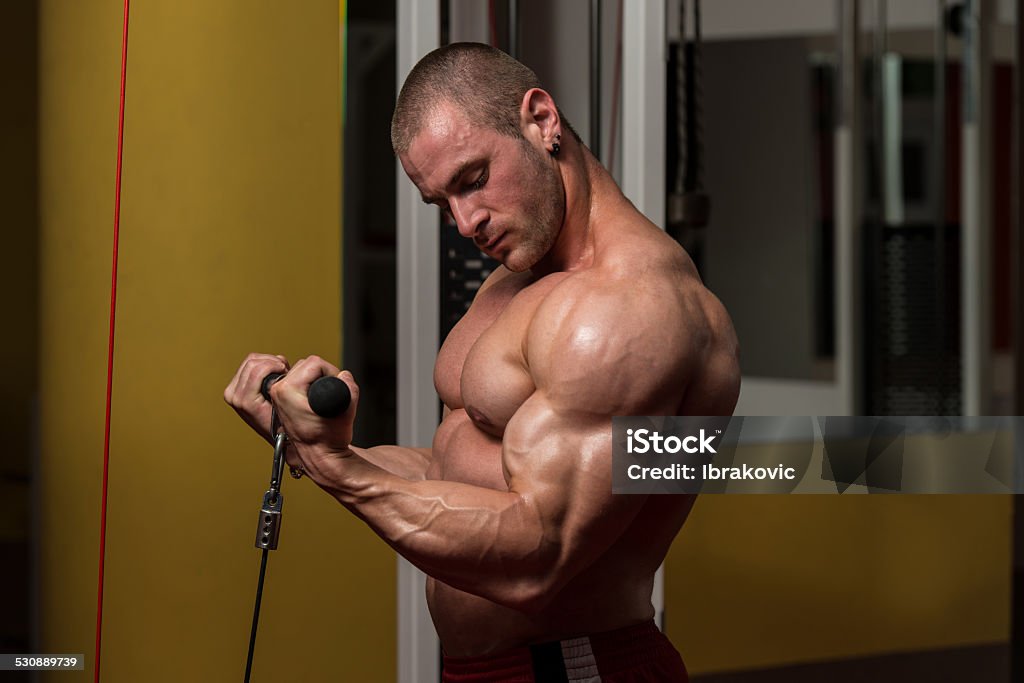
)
(539, 118)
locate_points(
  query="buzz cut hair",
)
(486, 84)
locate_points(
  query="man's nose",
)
(468, 217)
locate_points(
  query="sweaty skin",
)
(595, 313)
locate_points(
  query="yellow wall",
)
(761, 581)
(230, 243)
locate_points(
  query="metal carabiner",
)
(269, 526)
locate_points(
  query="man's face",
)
(502, 192)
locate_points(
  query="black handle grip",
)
(267, 381)
(328, 396)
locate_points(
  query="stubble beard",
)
(543, 215)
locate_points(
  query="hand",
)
(243, 392)
(313, 436)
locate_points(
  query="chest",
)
(482, 365)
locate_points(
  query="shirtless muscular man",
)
(537, 572)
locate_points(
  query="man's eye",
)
(480, 182)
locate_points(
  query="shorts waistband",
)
(574, 659)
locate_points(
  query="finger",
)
(256, 370)
(252, 368)
(232, 387)
(265, 366)
(353, 388)
(268, 381)
(308, 370)
(238, 380)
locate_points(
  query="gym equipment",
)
(328, 397)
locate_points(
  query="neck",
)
(590, 192)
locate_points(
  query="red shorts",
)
(635, 654)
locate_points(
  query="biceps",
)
(592, 518)
(561, 464)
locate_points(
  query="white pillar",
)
(418, 330)
(976, 211)
(643, 137)
(643, 107)
(848, 213)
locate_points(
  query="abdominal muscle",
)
(615, 591)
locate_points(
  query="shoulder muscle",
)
(613, 346)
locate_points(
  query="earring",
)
(555, 147)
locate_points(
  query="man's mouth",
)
(494, 242)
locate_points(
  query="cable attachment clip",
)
(268, 528)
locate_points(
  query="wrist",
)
(322, 463)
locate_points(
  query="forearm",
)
(485, 542)
(407, 463)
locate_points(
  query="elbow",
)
(532, 596)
